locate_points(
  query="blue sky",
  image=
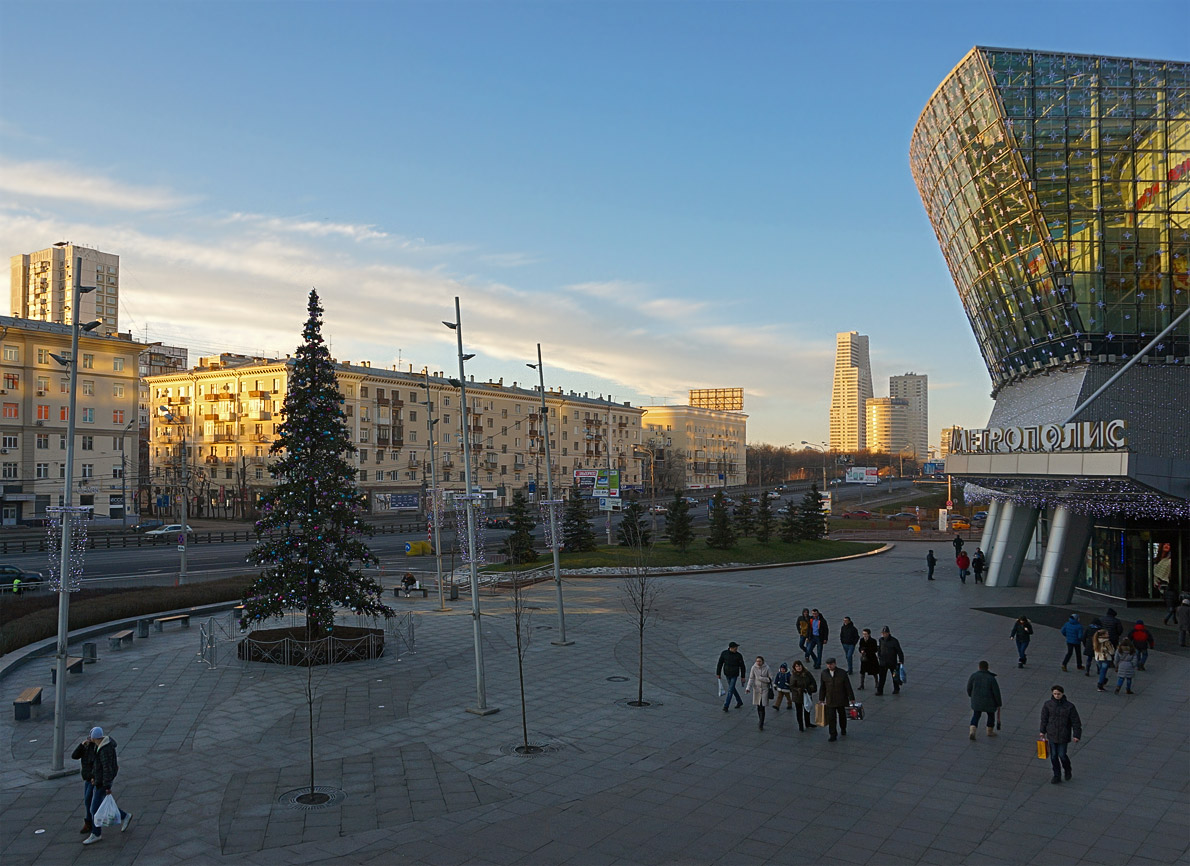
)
(665, 195)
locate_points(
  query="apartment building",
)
(709, 445)
(915, 389)
(851, 390)
(888, 425)
(33, 421)
(41, 283)
(213, 426)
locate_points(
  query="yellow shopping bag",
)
(1043, 749)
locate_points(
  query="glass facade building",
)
(1059, 188)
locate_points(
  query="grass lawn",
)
(664, 554)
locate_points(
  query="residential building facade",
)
(914, 389)
(709, 445)
(888, 425)
(850, 393)
(41, 285)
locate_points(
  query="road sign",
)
(607, 503)
(950, 503)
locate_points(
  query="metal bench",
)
(120, 638)
(22, 707)
(398, 590)
(73, 664)
(183, 618)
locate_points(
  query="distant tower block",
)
(723, 399)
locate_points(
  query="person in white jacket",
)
(760, 680)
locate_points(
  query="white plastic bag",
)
(807, 702)
(108, 813)
(722, 691)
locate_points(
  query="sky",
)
(665, 195)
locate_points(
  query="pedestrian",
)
(1142, 639)
(963, 561)
(984, 692)
(818, 635)
(957, 544)
(731, 665)
(1170, 597)
(801, 683)
(1115, 628)
(16, 586)
(1073, 632)
(1182, 618)
(104, 770)
(408, 581)
(1089, 643)
(836, 693)
(978, 560)
(760, 684)
(85, 752)
(1060, 726)
(891, 658)
(803, 632)
(781, 687)
(869, 658)
(931, 561)
(849, 637)
(1103, 652)
(1125, 661)
(1022, 633)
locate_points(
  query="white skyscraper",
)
(851, 392)
(41, 282)
(915, 390)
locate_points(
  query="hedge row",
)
(31, 618)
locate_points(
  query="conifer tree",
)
(678, 525)
(789, 523)
(520, 542)
(745, 519)
(633, 532)
(721, 536)
(577, 533)
(810, 524)
(311, 537)
(764, 519)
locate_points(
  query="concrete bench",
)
(120, 638)
(398, 590)
(73, 664)
(22, 707)
(182, 618)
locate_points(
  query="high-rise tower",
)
(41, 285)
(851, 392)
(914, 389)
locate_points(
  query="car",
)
(903, 515)
(859, 514)
(499, 523)
(690, 500)
(773, 494)
(960, 523)
(29, 579)
(171, 529)
(980, 516)
(146, 525)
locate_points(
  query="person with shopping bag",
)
(835, 692)
(104, 770)
(760, 684)
(85, 753)
(892, 658)
(801, 684)
(1060, 726)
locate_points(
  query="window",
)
(363, 455)
(363, 475)
(64, 413)
(117, 472)
(88, 361)
(259, 474)
(43, 356)
(446, 418)
(118, 390)
(63, 386)
(88, 443)
(43, 386)
(350, 390)
(364, 434)
(9, 441)
(12, 381)
(12, 410)
(412, 435)
(117, 443)
(10, 470)
(12, 353)
(117, 416)
(88, 470)
(61, 441)
(88, 388)
(227, 473)
(445, 401)
(118, 364)
(43, 413)
(88, 416)
(42, 470)
(363, 391)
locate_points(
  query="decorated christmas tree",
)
(312, 540)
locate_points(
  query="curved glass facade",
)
(1059, 188)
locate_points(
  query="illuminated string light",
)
(475, 502)
(78, 516)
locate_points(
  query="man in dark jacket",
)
(103, 773)
(1061, 726)
(849, 637)
(1114, 627)
(731, 665)
(891, 658)
(1089, 643)
(984, 692)
(957, 544)
(835, 691)
(803, 632)
(85, 752)
(931, 563)
(978, 561)
(818, 635)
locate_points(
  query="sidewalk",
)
(207, 755)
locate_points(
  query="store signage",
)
(1080, 436)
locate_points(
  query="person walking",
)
(104, 770)
(801, 683)
(16, 586)
(731, 665)
(848, 637)
(1103, 652)
(781, 687)
(978, 561)
(1022, 633)
(803, 632)
(957, 544)
(1170, 597)
(760, 684)
(835, 692)
(1060, 726)
(1115, 628)
(1125, 660)
(963, 561)
(891, 658)
(1142, 639)
(1073, 632)
(1089, 634)
(931, 562)
(1182, 618)
(85, 752)
(869, 657)
(984, 692)
(819, 631)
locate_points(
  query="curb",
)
(718, 569)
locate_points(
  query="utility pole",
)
(551, 504)
(437, 500)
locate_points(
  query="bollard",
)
(142, 628)
(90, 654)
(454, 591)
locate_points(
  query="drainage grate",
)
(617, 679)
(333, 796)
(518, 750)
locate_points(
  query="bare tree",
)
(640, 593)
(521, 618)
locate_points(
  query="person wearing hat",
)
(731, 665)
(1060, 726)
(85, 752)
(104, 770)
(835, 691)
(1142, 639)
(781, 686)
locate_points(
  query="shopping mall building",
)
(1059, 188)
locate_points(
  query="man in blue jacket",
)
(1073, 632)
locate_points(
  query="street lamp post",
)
(551, 504)
(481, 708)
(124, 472)
(821, 447)
(436, 497)
(183, 484)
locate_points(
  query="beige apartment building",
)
(213, 426)
(709, 445)
(41, 283)
(889, 427)
(915, 389)
(35, 405)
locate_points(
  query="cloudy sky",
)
(665, 195)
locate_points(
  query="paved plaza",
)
(207, 755)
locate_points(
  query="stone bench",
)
(120, 638)
(73, 664)
(22, 707)
(399, 589)
(182, 618)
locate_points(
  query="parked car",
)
(171, 529)
(146, 525)
(29, 579)
(860, 514)
(960, 523)
(980, 516)
(499, 523)
(903, 515)
(658, 509)
(690, 500)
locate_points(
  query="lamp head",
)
(451, 325)
(91, 326)
(468, 357)
(454, 383)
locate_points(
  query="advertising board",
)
(862, 475)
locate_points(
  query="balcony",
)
(259, 415)
(518, 464)
(223, 437)
(383, 401)
(211, 460)
(178, 401)
(210, 398)
(258, 394)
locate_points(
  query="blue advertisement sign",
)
(397, 501)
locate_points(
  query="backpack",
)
(1140, 637)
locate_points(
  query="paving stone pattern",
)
(206, 754)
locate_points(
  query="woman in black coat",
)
(869, 663)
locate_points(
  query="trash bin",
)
(142, 627)
(90, 653)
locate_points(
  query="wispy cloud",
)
(314, 228)
(48, 180)
(510, 260)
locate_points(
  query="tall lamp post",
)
(481, 707)
(124, 472)
(78, 290)
(551, 504)
(821, 447)
(183, 479)
(436, 498)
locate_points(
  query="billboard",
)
(396, 501)
(607, 483)
(933, 467)
(862, 475)
(723, 399)
(584, 479)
